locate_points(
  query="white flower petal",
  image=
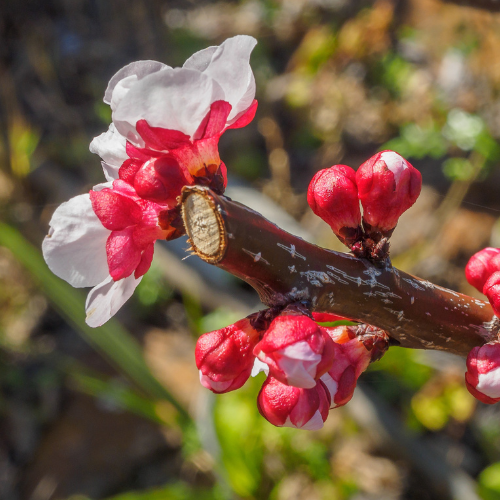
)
(395, 163)
(103, 185)
(201, 60)
(175, 99)
(104, 300)
(230, 67)
(110, 173)
(489, 383)
(126, 77)
(208, 383)
(332, 386)
(315, 424)
(111, 147)
(259, 366)
(75, 248)
(298, 361)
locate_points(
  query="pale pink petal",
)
(111, 147)
(332, 386)
(176, 99)
(395, 163)
(110, 173)
(75, 248)
(208, 383)
(258, 367)
(102, 185)
(230, 67)
(104, 300)
(126, 77)
(299, 363)
(315, 423)
(489, 383)
(201, 60)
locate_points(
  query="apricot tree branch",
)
(284, 268)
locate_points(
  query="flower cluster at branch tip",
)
(166, 126)
(483, 362)
(309, 368)
(386, 185)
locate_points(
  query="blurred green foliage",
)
(489, 482)
(339, 82)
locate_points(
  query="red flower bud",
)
(333, 196)
(388, 186)
(225, 357)
(492, 291)
(481, 266)
(351, 359)
(482, 377)
(296, 350)
(286, 406)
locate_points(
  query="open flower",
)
(166, 126)
(170, 119)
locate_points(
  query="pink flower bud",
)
(286, 406)
(388, 186)
(492, 291)
(482, 377)
(333, 196)
(351, 359)
(296, 350)
(481, 266)
(225, 357)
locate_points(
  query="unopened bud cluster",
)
(309, 368)
(483, 362)
(386, 186)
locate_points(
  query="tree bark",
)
(284, 268)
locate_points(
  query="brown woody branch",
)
(284, 268)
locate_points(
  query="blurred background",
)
(118, 412)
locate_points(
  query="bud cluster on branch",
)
(386, 186)
(309, 368)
